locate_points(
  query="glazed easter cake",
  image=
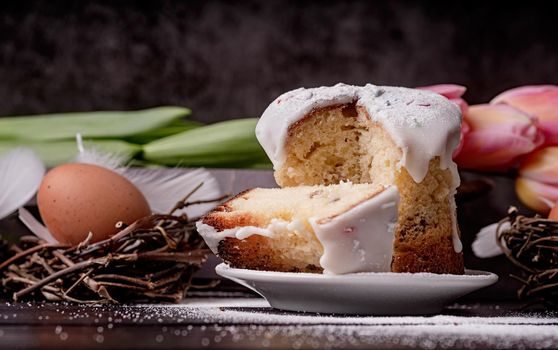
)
(368, 186)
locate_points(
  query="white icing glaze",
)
(457, 245)
(212, 237)
(290, 107)
(421, 123)
(360, 239)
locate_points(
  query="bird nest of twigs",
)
(152, 259)
(531, 243)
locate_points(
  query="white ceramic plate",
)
(360, 293)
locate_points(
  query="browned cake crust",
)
(255, 252)
(433, 257)
(220, 222)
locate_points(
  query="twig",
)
(180, 204)
(29, 251)
(56, 275)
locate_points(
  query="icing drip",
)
(212, 237)
(422, 123)
(457, 245)
(360, 239)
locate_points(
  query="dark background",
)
(230, 59)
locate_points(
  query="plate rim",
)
(429, 291)
(470, 275)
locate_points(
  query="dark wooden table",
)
(230, 317)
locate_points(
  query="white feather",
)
(166, 188)
(21, 173)
(486, 243)
(35, 226)
(90, 155)
(162, 189)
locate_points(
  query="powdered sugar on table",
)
(232, 321)
(441, 331)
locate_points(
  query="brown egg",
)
(75, 199)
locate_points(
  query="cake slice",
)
(384, 136)
(338, 229)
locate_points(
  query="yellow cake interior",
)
(295, 248)
(341, 143)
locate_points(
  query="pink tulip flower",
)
(498, 135)
(453, 93)
(537, 184)
(540, 101)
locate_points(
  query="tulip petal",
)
(497, 136)
(490, 150)
(536, 195)
(540, 101)
(541, 166)
(463, 106)
(452, 92)
(501, 117)
(447, 90)
(549, 129)
(464, 130)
